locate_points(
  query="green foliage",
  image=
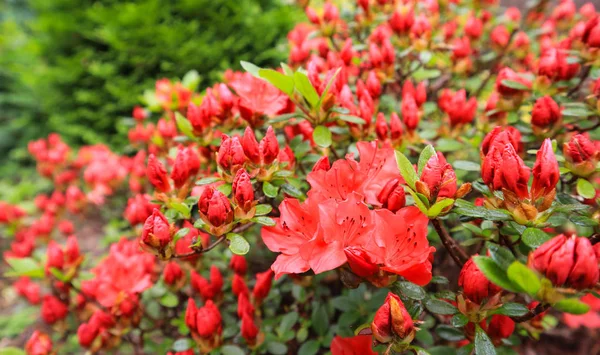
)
(77, 66)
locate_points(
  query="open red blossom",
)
(258, 98)
(377, 166)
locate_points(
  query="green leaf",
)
(583, 221)
(184, 125)
(286, 69)
(426, 153)
(292, 191)
(231, 350)
(181, 208)
(494, 273)
(352, 119)
(449, 333)
(585, 188)
(169, 300)
(277, 348)
(514, 85)
(483, 344)
(238, 244)
(287, 322)
(411, 290)
(439, 206)
(501, 255)
(280, 81)
(305, 87)
(466, 165)
(448, 145)
(572, 305)
(181, 345)
(265, 221)
(418, 201)
(208, 180)
(263, 209)
(225, 189)
(286, 117)
(322, 136)
(576, 112)
(467, 208)
(191, 80)
(181, 233)
(524, 278)
(440, 307)
(512, 309)
(270, 190)
(311, 347)
(320, 319)
(533, 237)
(459, 320)
(24, 267)
(11, 351)
(250, 68)
(406, 169)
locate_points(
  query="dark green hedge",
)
(77, 66)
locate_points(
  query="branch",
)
(595, 239)
(582, 78)
(456, 252)
(539, 309)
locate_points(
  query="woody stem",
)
(539, 309)
(455, 251)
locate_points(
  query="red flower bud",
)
(439, 177)
(72, 254)
(501, 136)
(167, 128)
(55, 257)
(238, 285)
(86, 333)
(392, 319)
(545, 171)
(591, 34)
(410, 112)
(581, 155)
(53, 309)
(381, 127)
(39, 344)
(373, 85)
(186, 166)
(190, 315)
(216, 279)
(502, 168)
(172, 273)
(157, 231)
(567, 261)
(262, 286)
(546, 112)
(28, 289)
(139, 114)
(476, 287)
(395, 126)
(249, 329)
(460, 110)
(312, 16)
(203, 287)
(244, 305)
(269, 147)
(392, 196)
(198, 117)
(500, 36)
(238, 264)
(157, 174)
(509, 74)
(360, 262)
(402, 20)
(208, 321)
(66, 227)
(219, 210)
(473, 27)
(250, 146)
(243, 192)
(231, 154)
(500, 327)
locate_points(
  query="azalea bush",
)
(418, 177)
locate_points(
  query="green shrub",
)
(77, 66)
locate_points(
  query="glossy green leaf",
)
(238, 244)
(426, 153)
(322, 136)
(250, 68)
(494, 273)
(263, 209)
(270, 190)
(282, 82)
(483, 344)
(534, 237)
(406, 169)
(524, 278)
(585, 188)
(24, 267)
(572, 305)
(439, 206)
(305, 87)
(440, 307)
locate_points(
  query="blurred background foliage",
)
(77, 66)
